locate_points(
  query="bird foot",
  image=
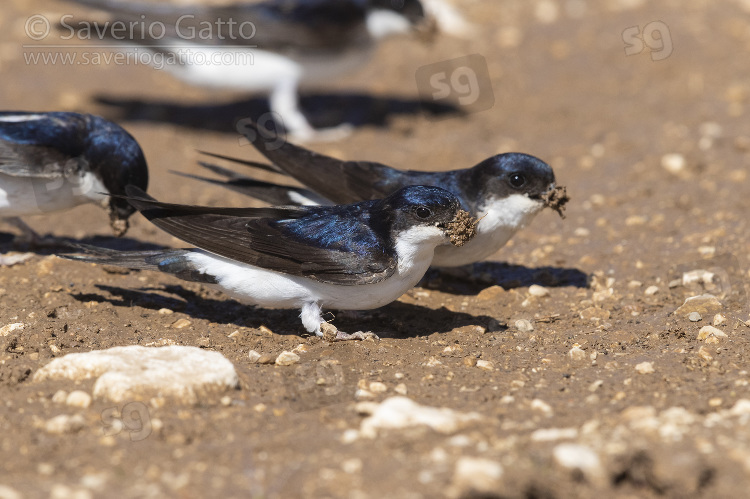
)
(331, 334)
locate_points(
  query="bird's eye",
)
(423, 212)
(517, 180)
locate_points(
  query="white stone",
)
(60, 397)
(9, 328)
(541, 406)
(140, 373)
(645, 368)
(64, 423)
(475, 476)
(378, 387)
(401, 389)
(396, 413)
(577, 354)
(673, 163)
(576, 456)
(9, 493)
(711, 333)
(740, 408)
(651, 290)
(553, 434)
(719, 320)
(253, 356)
(694, 317)
(697, 276)
(538, 291)
(287, 359)
(524, 325)
(485, 365)
(78, 398)
(702, 304)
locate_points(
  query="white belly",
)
(231, 68)
(20, 196)
(256, 286)
(266, 288)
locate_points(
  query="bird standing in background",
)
(55, 161)
(271, 46)
(348, 257)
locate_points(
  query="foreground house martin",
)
(505, 191)
(271, 46)
(348, 257)
(54, 161)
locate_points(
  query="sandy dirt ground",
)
(594, 385)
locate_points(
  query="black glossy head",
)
(512, 173)
(117, 159)
(418, 205)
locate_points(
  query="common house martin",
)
(348, 257)
(505, 192)
(271, 46)
(58, 160)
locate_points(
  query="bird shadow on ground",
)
(321, 110)
(395, 320)
(472, 279)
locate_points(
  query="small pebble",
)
(541, 406)
(470, 361)
(253, 356)
(694, 317)
(577, 354)
(705, 354)
(78, 398)
(266, 359)
(181, 323)
(524, 325)
(673, 163)
(165, 311)
(719, 320)
(485, 365)
(226, 400)
(476, 477)
(60, 397)
(576, 456)
(9, 328)
(710, 334)
(400, 389)
(651, 290)
(378, 387)
(287, 359)
(538, 291)
(645, 368)
(64, 423)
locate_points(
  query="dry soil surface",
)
(579, 375)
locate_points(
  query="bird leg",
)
(284, 103)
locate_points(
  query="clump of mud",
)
(556, 199)
(462, 228)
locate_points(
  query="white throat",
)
(502, 218)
